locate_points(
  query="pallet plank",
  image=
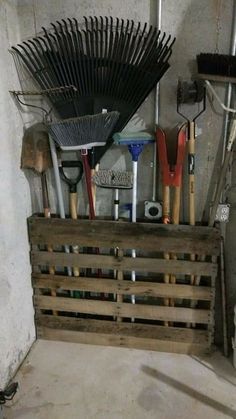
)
(122, 341)
(177, 334)
(124, 287)
(138, 264)
(108, 308)
(107, 234)
(151, 241)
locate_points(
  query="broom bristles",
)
(83, 132)
(113, 179)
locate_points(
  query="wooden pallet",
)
(183, 328)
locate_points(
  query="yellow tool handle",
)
(166, 204)
(73, 205)
(175, 220)
(93, 187)
(191, 153)
(176, 205)
(47, 214)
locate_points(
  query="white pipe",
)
(116, 205)
(58, 189)
(134, 217)
(230, 86)
(212, 90)
(134, 192)
(57, 178)
(116, 218)
(157, 112)
(157, 108)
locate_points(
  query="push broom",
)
(135, 142)
(115, 180)
(81, 134)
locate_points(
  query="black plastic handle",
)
(71, 182)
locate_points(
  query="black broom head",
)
(83, 132)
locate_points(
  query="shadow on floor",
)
(223, 370)
(202, 398)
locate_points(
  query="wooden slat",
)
(121, 341)
(125, 264)
(148, 337)
(123, 287)
(176, 334)
(107, 308)
(107, 234)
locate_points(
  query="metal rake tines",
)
(96, 58)
(113, 179)
(113, 63)
(84, 132)
(41, 72)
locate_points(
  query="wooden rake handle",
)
(191, 168)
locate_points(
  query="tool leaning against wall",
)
(191, 93)
(72, 183)
(135, 142)
(222, 69)
(36, 153)
(171, 177)
(80, 134)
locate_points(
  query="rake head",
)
(114, 65)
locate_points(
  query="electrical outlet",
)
(153, 210)
(222, 214)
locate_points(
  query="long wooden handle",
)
(175, 220)
(166, 220)
(73, 205)
(191, 163)
(47, 214)
(73, 214)
(176, 205)
(166, 204)
(93, 186)
(191, 174)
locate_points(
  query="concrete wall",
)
(198, 27)
(16, 311)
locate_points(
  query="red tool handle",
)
(171, 175)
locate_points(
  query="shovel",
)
(36, 155)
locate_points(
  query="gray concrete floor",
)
(72, 381)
